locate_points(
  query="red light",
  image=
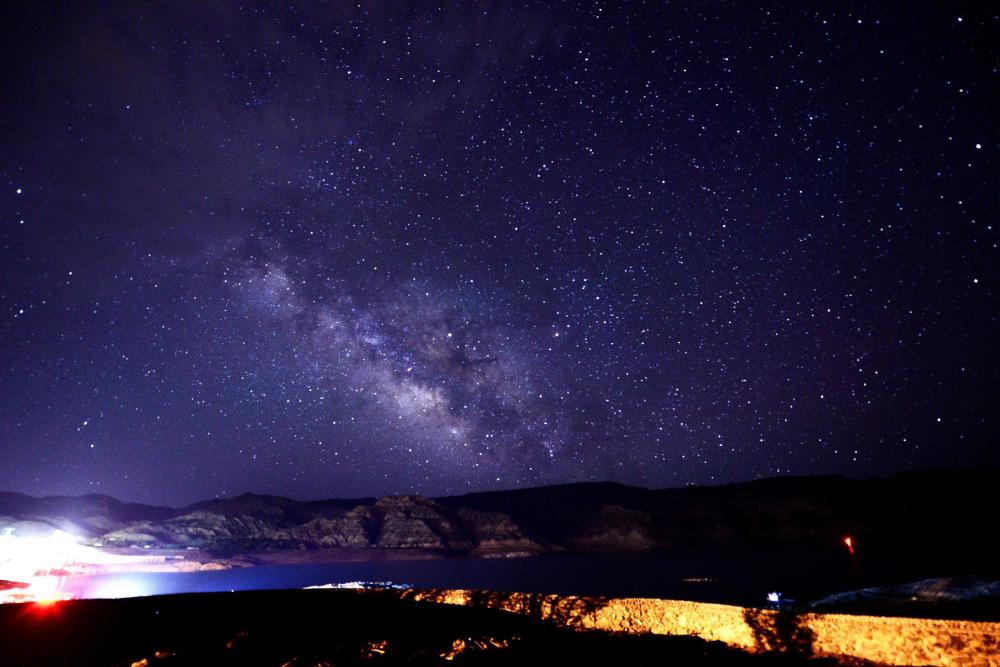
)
(850, 544)
(46, 606)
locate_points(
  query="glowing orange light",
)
(850, 544)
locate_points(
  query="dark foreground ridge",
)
(327, 627)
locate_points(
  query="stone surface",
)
(881, 639)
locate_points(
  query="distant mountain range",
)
(929, 511)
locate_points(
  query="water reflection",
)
(617, 576)
(118, 585)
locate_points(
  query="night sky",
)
(339, 250)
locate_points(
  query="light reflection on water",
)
(557, 574)
(720, 580)
(115, 586)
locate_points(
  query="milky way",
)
(443, 371)
(355, 249)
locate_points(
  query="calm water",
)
(723, 577)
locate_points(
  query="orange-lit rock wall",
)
(887, 640)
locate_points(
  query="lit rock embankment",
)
(887, 640)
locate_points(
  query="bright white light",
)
(43, 563)
(122, 586)
(23, 557)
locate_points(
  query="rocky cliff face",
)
(352, 530)
(495, 532)
(581, 517)
(393, 522)
(195, 529)
(615, 528)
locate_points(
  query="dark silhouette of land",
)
(943, 517)
(329, 627)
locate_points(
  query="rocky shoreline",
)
(888, 640)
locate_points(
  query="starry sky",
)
(349, 249)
